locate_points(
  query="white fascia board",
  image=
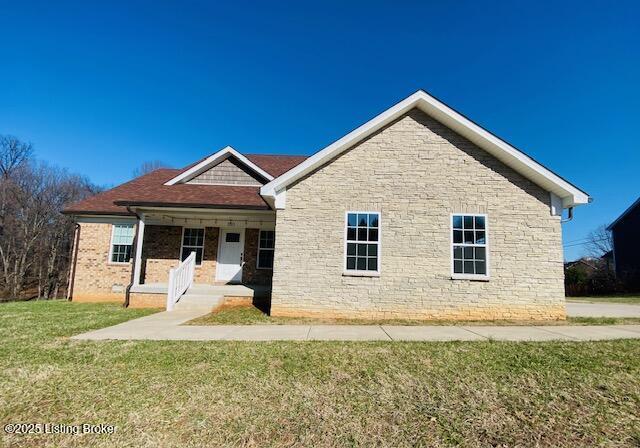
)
(200, 212)
(441, 112)
(214, 159)
(280, 201)
(103, 219)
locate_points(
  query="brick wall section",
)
(251, 275)
(207, 272)
(417, 172)
(227, 172)
(161, 252)
(97, 280)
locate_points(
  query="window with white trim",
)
(192, 241)
(362, 251)
(266, 246)
(469, 245)
(121, 243)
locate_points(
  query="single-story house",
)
(419, 213)
(626, 246)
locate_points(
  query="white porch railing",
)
(180, 279)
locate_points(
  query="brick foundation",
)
(140, 300)
(98, 297)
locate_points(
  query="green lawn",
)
(254, 316)
(629, 299)
(309, 393)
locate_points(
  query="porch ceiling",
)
(209, 218)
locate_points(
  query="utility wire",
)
(585, 242)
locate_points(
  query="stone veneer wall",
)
(416, 173)
(251, 275)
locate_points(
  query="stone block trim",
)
(416, 173)
(470, 313)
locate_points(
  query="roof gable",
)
(227, 172)
(274, 191)
(214, 160)
(153, 189)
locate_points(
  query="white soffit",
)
(500, 149)
(213, 160)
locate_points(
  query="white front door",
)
(230, 255)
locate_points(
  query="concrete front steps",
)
(208, 298)
(198, 302)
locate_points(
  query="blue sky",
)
(100, 88)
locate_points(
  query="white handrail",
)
(180, 279)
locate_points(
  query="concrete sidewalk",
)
(596, 309)
(166, 326)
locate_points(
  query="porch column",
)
(137, 264)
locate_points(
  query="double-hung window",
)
(362, 235)
(266, 245)
(469, 247)
(192, 241)
(121, 243)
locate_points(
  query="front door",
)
(230, 255)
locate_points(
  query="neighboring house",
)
(626, 246)
(589, 276)
(607, 259)
(587, 264)
(419, 213)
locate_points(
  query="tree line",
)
(35, 238)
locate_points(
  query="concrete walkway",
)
(166, 326)
(594, 309)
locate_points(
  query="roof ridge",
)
(508, 154)
(273, 155)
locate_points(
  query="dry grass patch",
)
(310, 393)
(630, 299)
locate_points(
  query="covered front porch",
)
(201, 254)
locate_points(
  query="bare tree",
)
(13, 154)
(599, 242)
(35, 238)
(147, 167)
(55, 241)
